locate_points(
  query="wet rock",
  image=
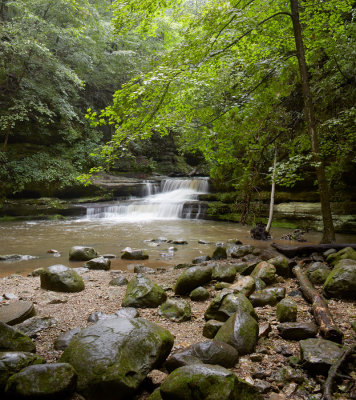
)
(262, 386)
(265, 271)
(281, 264)
(347, 253)
(341, 282)
(219, 253)
(177, 310)
(16, 312)
(264, 329)
(240, 331)
(211, 328)
(141, 292)
(226, 303)
(178, 241)
(318, 272)
(192, 278)
(32, 326)
(245, 285)
(36, 272)
(110, 256)
(12, 362)
(82, 253)
(114, 356)
(99, 316)
(297, 330)
(222, 285)
(202, 241)
(223, 272)
(287, 310)
(199, 294)
(210, 352)
(63, 340)
(141, 269)
(209, 382)
(60, 278)
(280, 292)
(130, 254)
(182, 266)
(289, 374)
(237, 251)
(45, 381)
(200, 259)
(260, 285)
(243, 268)
(328, 252)
(118, 281)
(98, 263)
(317, 355)
(261, 298)
(11, 339)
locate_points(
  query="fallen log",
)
(292, 251)
(333, 372)
(321, 312)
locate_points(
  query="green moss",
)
(284, 224)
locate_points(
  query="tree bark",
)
(292, 251)
(321, 312)
(328, 232)
(273, 188)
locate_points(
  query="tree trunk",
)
(273, 188)
(328, 232)
(321, 312)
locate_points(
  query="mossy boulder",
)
(261, 298)
(219, 253)
(245, 285)
(13, 340)
(348, 253)
(199, 294)
(177, 310)
(341, 282)
(60, 278)
(82, 253)
(240, 331)
(114, 356)
(210, 382)
(223, 272)
(226, 303)
(44, 381)
(287, 310)
(281, 264)
(141, 292)
(192, 278)
(12, 362)
(318, 273)
(265, 271)
(210, 352)
(98, 263)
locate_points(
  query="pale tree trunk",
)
(273, 188)
(328, 232)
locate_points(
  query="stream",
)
(111, 227)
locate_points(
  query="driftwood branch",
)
(333, 372)
(321, 312)
(292, 251)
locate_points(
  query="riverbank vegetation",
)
(223, 82)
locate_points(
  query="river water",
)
(110, 228)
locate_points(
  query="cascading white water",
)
(167, 204)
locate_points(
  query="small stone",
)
(287, 310)
(211, 328)
(262, 386)
(98, 263)
(261, 298)
(219, 253)
(264, 329)
(177, 310)
(223, 272)
(199, 294)
(141, 269)
(200, 259)
(297, 330)
(10, 296)
(127, 312)
(256, 357)
(82, 253)
(33, 325)
(36, 272)
(119, 281)
(222, 285)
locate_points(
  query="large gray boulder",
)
(12, 362)
(240, 331)
(98, 263)
(226, 303)
(210, 352)
(114, 356)
(44, 381)
(210, 382)
(82, 253)
(11, 339)
(177, 310)
(60, 278)
(141, 292)
(191, 278)
(341, 282)
(317, 355)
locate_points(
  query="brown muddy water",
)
(35, 238)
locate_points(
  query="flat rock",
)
(114, 356)
(317, 355)
(16, 312)
(297, 330)
(33, 325)
(45, 381)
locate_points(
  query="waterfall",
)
(163, 202)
